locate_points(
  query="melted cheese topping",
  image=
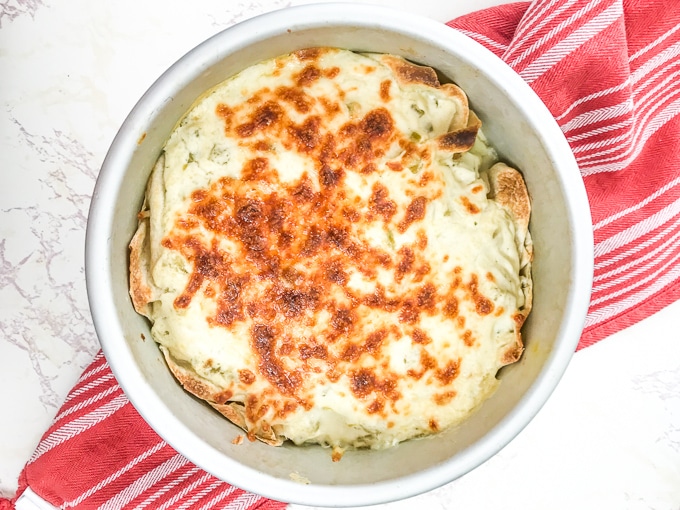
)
(322, 255)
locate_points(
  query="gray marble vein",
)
(12, 9)
(44, 299)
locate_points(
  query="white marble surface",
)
(69, 73)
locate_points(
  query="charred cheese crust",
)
(330, 253)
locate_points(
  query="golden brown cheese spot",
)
(187, 223)
(451, 308)
(379, 203)
(350, 353)
(420, 337)
(327, 150)
(264, 117)
(385, 86)
(351, 214)
(303, 191)
(259, 96)
(469, 206)
(425, 179)
(207, 207)
(343, 321)
(483, 305)
(376, 406)
(434, 427)
(246, 376)
(263, 342)
(226, 113)
(223, 396)
(368, 169)
(254, 409)
(333, 375)
(467, 338)
(306, 136)
(292, 303)
(339, 238)
(414, 212)
(427, 363)
(330, 177)
(447, 374)
(262, 146)
(331, 72)
(379, 300)
(409, 312)
(335, 272)
(287, 408)
(298, 99)
(362, 383)
(308, 53)
(279, 65)
(331, 108)
(211, 263)
(256, 169)
(374, 341)
(427, 297)
(308, 76)
(405, 262)
(442, 399)
(377, 124)
(316, 351)
(421, 271)
(365, 140)
(422, 242)
(286, 348)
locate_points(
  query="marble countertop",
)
(70, 72)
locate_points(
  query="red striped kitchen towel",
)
(609, 71)
(100, 454)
